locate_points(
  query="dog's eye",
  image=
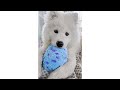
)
(66, 33)
(56, 31)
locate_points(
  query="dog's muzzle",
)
(59, 44)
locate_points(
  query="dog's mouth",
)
(59, 47)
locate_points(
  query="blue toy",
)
(54, 57)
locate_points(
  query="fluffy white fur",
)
(63, 22)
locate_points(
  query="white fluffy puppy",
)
(66, 26)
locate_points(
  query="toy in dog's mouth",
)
(54, 57)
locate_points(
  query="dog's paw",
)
(56, 75)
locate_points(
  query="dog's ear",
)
(52, 15)
(75, 17)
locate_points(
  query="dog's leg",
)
(65, 70)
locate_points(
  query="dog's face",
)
(59, 26)
(60, 36)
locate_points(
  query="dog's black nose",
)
(59, 43)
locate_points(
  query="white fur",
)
(63, 22)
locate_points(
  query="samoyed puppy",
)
(61, 27)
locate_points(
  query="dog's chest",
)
(54, 57)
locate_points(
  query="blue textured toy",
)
(54, 57)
